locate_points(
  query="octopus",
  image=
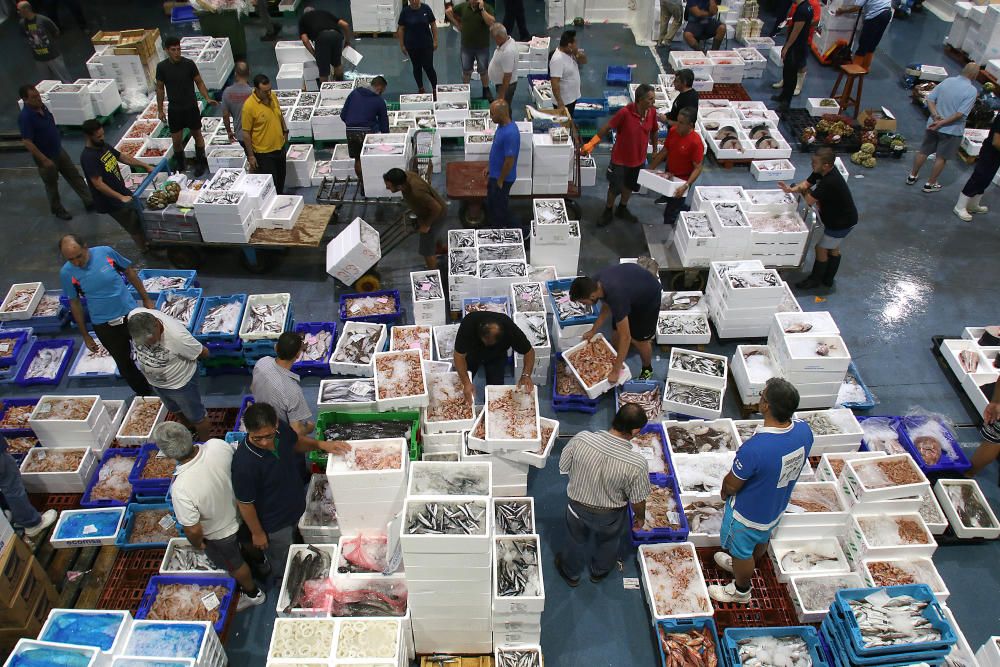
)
(929, 449)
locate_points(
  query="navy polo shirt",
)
(40, 128)
(272, 481)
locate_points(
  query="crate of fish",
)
(518, 586)
(664, 520)
(266, 317)
(153, 471)
(49, 317)
(180, 558)
(854, 394)
(318, 524)
(304, 590)
(812, 594)
(886, 478)
(109, 485)
(45, 362)
(682, 328)
(173, 640)
(702, 473)
(449, 479)
(9, 373)
(356, 348)
(768, 646)
(492, 304)
(701, 368)
(444, 341)
(148, 526)
(219, 318)
(537, 457)
(12, 342)
(933, 445)
(102, 629)
(159, 280)
(528, 297)
(448, 409)
(317, 347)
(511, 419)
(21, 301)
(673, 581)
(304, 639)
(64, 470)
(651, 444)
(967, 509)
(171, 597)
(513, 516)
(412, 337)
(451, 524)
(87, 527)
(536, 329)
(887, 536)
(93, 365)
(835, 636)
(695, 638)
(912, 610)
(834, 430)
(346, 395)
(692, 400)
(568, 394)
(697, 436)
(373, 307)
(428, 297)
(798, 557)
(145, 413)
(816, 504)
(180, 304)
(644, 393)
(901, 572)
(370, 425)
(590, 107)
(14, 416)
(567, 311)
(704, 517)
(591, 362)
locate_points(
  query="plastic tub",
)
(210, 302)
(130, 512)
(389, 318)
(321, 367)
(38, 346)
(956, 464)
(192, 292)
(85, 501)
(190, 280)
(164, 579)
(732, 636)
(11, 343)
(932, 612)
(654, 535)
(151, 485)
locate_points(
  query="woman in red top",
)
(817, 10)
(684, 153)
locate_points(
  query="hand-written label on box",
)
(5, 348)
(166, 522)
(354, 307)
(210, 601)
(89, 529)
(630, 583)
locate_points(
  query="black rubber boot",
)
(200, 161)
(831, 270)
(180, 164)
(816, 277)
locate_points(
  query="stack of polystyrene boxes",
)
(131, 73)
(711, 382)
(552, 162)
(449, 574)
(215, 63)
(463, 267)
(290, 52)
(683, 319)
(522, 184)
(428, 298)
(94, 431)
(517, 619)
(530, 312)
(260, 189)
(477, 143)
(960, 26)
(379, 16)
(775, 248)
(226, 214)
(95, 64)
(694, 239)
(754, 64)
(300, 161)
(731, 241)
(70, 103)
(555, 239)
(742, 297)
(367, 500)
(453, 92)
(510, 473)
(379, 154)
(327, 124)
(986, 45)
(532, 56)
(727, 66)
(104, 96)
(353, 251)
(501, 261)
(794, 353)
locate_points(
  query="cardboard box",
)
(884, 119)
(33, 586)
(15, 560)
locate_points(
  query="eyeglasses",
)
(273, 435)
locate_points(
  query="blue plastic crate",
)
(9, 374)
(49, 324)
(834, 628)
(733, 635)
(635, 386)
(391, 294)
(563, 284)
(64, 300)
(150, 487)
(247, 401)
(494, 300)
(616, 106)
(584, 114)
(684, 625)
(320, 368)
(9, 403)
(196, 292)
(946, 465)
(869, 401)
(654, 535)
(38, 346)
(568, 399)
(618, 75)
(657, 428)
(234, 437)
(85, 501)
(921, 592)
(12, 343)
(149, 596)
(76, 375)
(190, 279)
(209, 302)
(133, 508)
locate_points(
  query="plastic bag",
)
(365, 553)
(365, 598)
(880, 436)
(134, 100)
(932, 436)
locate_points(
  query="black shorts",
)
(225, 553)
(990, 432)
(621, 177)
(702, 28)
(183, 119)
(642, 323)
(355, 140)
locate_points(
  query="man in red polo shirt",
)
(683, 152)
(636, 127)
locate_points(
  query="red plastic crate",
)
(128, 578)
(726, 91)
(221, 419)
(769, 605)
(55, 501)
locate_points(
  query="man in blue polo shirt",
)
(269, 480)
(97, 274)
(759, 486)
(502, 171)
(41, 137)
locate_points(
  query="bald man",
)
(502, 171)
(41, 34)
(233, 98)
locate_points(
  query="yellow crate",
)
(462, 661)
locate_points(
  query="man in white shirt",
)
(503, 65)
(564, 71)
(203, 500)
(274, 383)
(167, 355)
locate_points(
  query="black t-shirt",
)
(988, 151)
(689, 98)
(314, 22)
(804, 14)
(272, 481)
(178, 78)
(103, 162)
(467, 339)
(628, 288)
(836, 205)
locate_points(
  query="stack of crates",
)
(226, 347)
(258, 345)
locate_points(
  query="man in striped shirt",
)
(605, 476)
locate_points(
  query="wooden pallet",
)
(78, 574)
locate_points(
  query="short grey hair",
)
(174, 440)
(142, 327)
(498, 30)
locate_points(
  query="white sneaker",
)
(778, 84)
(963, 214)
(724, 560)
(975, 210)
(247, 601)
(48, 518)
(728, 593)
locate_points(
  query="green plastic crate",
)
(325, 418)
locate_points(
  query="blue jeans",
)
(498, 204)
(25, 515)
(607, 529)
(186, 400)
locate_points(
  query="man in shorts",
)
(631, 297)
(827, 189)
(703, 22)
(204, 504)
(473, 19)
(426, 204)
(949, 105)
(758, 488)
(364, 111)
(989, 447)
(325, 35)
(636, 127)
(176, 78)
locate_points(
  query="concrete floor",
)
(911, 270)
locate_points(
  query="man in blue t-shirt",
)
(502, 171)
(759, 486)
(98, 274)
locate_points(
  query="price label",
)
(166, 522)
(355, 307)
(89, 529)
(359, 387)
(210, 601)
(5, 347)
(41, 455)
(647, 453)
(630, 583)
(160, 454)
(413, 346)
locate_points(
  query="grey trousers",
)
(672, 15)
(278, 544)
(63, 164)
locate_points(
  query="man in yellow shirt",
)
(265, 132)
